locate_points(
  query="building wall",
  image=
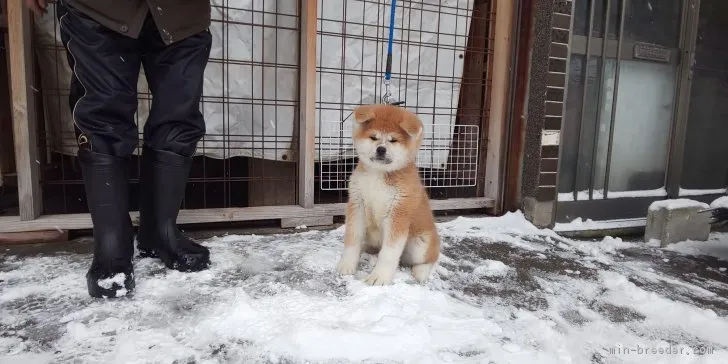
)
(545, 108)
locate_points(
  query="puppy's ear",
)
(411, 124)
(364, 113)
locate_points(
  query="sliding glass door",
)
(624, 86)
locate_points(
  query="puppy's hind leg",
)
(422, 254)
(421, 272)
(354, 229)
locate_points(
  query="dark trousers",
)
(103, 92)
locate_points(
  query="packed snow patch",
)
(491, 268)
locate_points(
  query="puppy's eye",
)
(374, 138)
(393, 141)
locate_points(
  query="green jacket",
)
(175, 19)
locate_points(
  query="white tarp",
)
(251, 88)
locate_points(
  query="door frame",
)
(688, 41)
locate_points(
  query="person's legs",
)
(103, 101)
(175, 125)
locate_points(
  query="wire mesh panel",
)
(441, 162)
(440, 67)
(250, 100)
(250, 106)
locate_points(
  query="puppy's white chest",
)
(376, 195)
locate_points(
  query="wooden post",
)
(24, 109)
(513, 171)
(307, 97)
(7, 155)
(498, 100)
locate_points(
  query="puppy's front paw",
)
(378, 279)
(346, 267)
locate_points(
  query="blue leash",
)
(388, 72)
(387, 97)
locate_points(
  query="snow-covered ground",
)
(505, 292)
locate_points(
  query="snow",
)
(118, 278)
(716, 246)
(598, 194)
(720, 202)
(702, 322)
(694, 192)
(504, 292)
(579, 224)
(491, 268)
(677, 203)
(658, 192)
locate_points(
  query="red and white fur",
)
(388, 212)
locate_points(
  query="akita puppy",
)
(388, 211)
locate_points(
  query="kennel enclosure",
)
(282, 78)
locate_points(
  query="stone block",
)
(673, 221)
(539, 213)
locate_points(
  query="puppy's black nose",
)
(381, 151)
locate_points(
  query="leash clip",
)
(387, 97)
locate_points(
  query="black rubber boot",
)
(161, 189)
(106, 180)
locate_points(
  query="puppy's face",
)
(386, 137)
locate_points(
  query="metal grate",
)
(442, 162)
(440, 69)
(248, 157)
(250, 103)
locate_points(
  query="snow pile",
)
(677, 203)
(504, 292)
(716, 246)
(491, 268)
(603, 250)
(579, 224)
(507, 228)
(720, 202)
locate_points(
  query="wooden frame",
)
(523, 35)
(204, 216)
(24, 123)
(499, 102)
(24, 105)
(307, 122)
